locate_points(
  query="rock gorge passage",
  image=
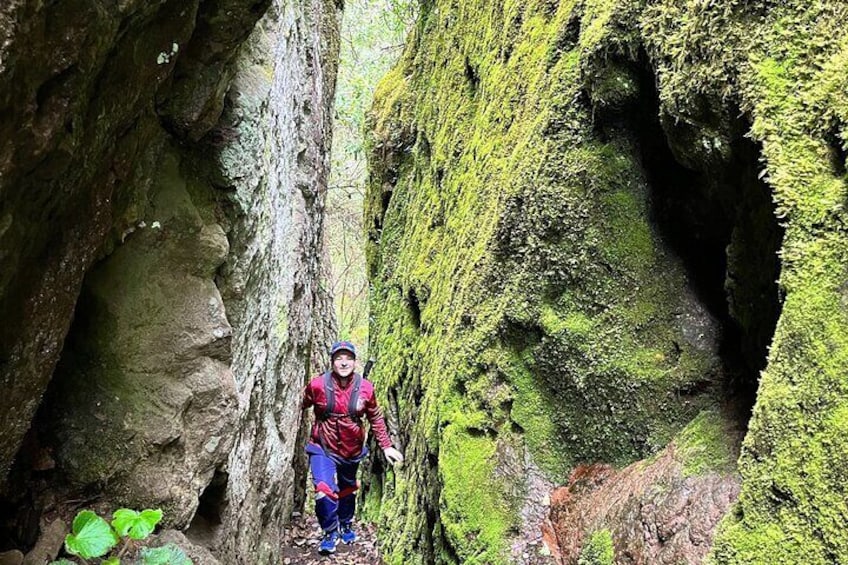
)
(606, 245)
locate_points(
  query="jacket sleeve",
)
(378, 423)
(308, 399)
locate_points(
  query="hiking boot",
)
(329, 542)
(348, 535)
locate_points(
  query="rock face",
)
(80, 84)
(199, 555)
(146, 370)
(660, 511)
(75, 129)
(577, 214)
(273, 283)
(162, 180)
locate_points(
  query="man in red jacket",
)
(336, 445)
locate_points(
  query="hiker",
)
(336, 444)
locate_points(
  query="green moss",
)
(631, 243)
(391, 100)
(794, 497)
(369, 509)
(553, 324)
(476, 516)
(514, 267)
(505, 211)
(598, 550)
(706, 445)
(792, 508)
(533, 411)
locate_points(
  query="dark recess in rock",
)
(212, 505)
(839, 151)
(712, 210)
(414, 307)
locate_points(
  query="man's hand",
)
(393, 455)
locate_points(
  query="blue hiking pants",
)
(334, 479)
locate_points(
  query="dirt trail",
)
(300, 545)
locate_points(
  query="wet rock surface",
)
(79, 84)
(275, 169)
(144, 399)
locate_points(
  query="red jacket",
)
(345, 436)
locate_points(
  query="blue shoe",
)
(329, 543)
(348, 535)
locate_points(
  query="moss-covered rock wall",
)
(661, 510)
(575, 214)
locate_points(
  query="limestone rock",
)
(197, 553)
(145, 399)
(78, 84)
(49, 543)
(279, 117)
(184, 241)
(204, 71)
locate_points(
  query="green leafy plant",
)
(166, 555)
(136, 525)
(92, 537)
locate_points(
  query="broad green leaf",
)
(137, 525)
(92, 536)
(166, 555)
(112, 561)
(62, 562)
(81, 519)
(145, 524)
(123, 519)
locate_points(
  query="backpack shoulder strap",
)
(354, 395)
(329, 393)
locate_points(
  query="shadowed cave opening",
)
(712, 209)
(210, 510)
(38, 489)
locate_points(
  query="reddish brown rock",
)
(657, 511)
